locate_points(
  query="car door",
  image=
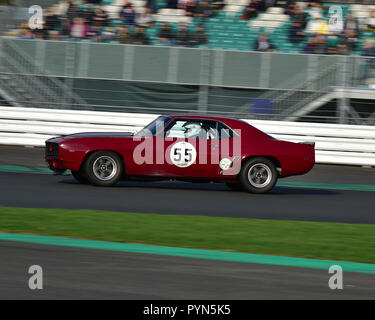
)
(187, 149)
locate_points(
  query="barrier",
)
(335, 144)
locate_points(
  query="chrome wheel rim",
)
(104, 168)
(259, 175)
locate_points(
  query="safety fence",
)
(335, 144)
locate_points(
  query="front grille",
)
(52, 149)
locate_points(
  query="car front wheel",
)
(258, 175)
(103, 168)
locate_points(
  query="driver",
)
(193, 130)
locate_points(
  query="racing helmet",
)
(192, 129)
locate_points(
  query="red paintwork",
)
(294, 158)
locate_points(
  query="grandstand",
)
(230, 71)
(225, 27)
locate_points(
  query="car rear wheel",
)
(258, 175)
(79, 177)
(103, 168)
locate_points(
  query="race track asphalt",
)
(72, 273)
(292, 203)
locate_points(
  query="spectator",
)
(300, 16)
(263, 44)
(317, 26)
(124, 36)
(78, 29)
(165, 35)
(100, 17)
(199, 38)
(296, 33)
(253, 8)
(371, 21)
(351, 23)
(127, 14)
(310, 46)
(108, 34)
(145, 19)
(190, 8)
(26, 34)
(94, 33)
(332, 50)
(152, 6)
(290, 7)
(53, 35)
(368, 62)
(203, 10)
(183, 37)
(320, 44)
(350, 40)
(72, 12)
(140, 36)
(342, 49)
(64, 28)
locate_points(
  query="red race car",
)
(189, 148)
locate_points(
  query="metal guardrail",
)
(335, 144)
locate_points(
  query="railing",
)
(336, 144)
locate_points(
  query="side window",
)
(193, 129)
(224, 131)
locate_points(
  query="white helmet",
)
(192, 129)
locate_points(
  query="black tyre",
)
(79, 177)
(258, 175)
(103, 168)
(235, 186)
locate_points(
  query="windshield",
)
(156, 125)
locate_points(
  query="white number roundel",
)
(183, 154)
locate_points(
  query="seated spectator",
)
(253, 8)
(140, 36)
(64, 28)
(300, 16)
(26, 34)
(88, 14)
(310, 46)
(199, 38)
(332, 50)
(152, 6)
(190, 8)
(368, 48)
(145, 19)
(320, 44)
(217, 5)
(124, 36)
(317, 26)
(165, 35)
(79, 28)
(183, 37)
(72, 12)
(290, 7)
(53, 35)
(263, 44)
(368, 62)
(127, 14)
(342, 49)
(51, 20)
(203, 10)
(100, 17)
(108, 34)
(370, 22)
(350, 40)
(351, 23)
(94, 34)
(296, 33)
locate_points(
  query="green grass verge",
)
(320, 240)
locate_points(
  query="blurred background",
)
(260, 59)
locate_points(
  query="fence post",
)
(204, 79)
(343, 102)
